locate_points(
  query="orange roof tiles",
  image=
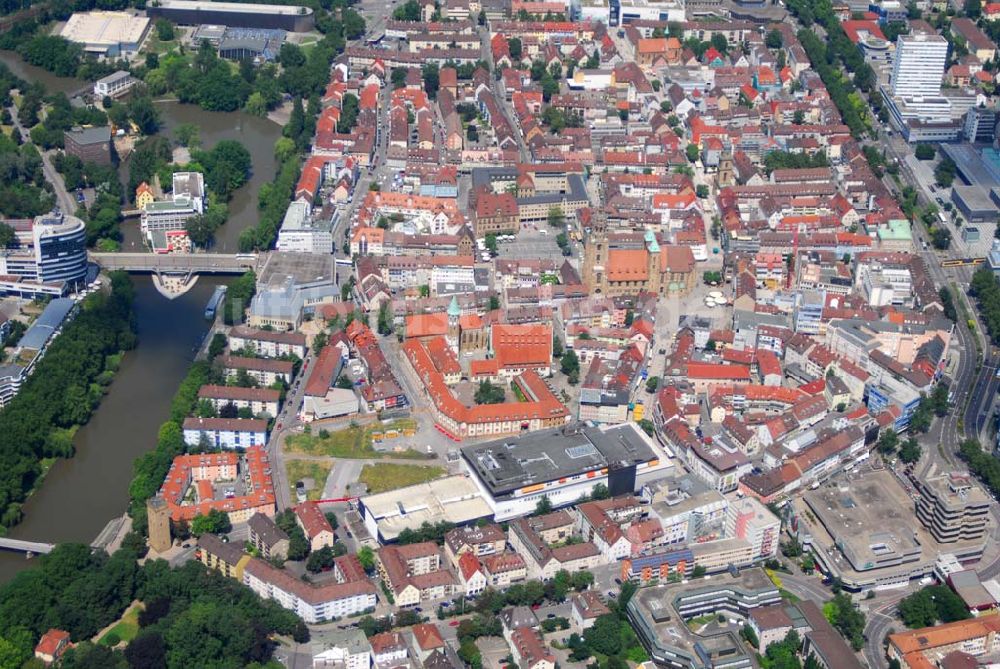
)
(943, 635)
(522, 346)
(708, 370)
(312, 519)
(427, 325)
(187, 469)
(544, 406)
(628, 264)
(52, 641)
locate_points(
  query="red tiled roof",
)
(522, 346)
(312, 519)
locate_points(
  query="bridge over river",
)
(29, 547)
(180, 263)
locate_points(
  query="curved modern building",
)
(50, 257)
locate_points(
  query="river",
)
(257, 134)
(81, 494)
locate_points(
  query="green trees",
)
(562, 241)
(514, 45)
(366, 556)
(62, 392)
(488, 393)
(408, 11)
(652, 383)
(53, 53)
(944, 172)
(143, 113)
(348, 114)
(934, 603)
(555, 218)
(149, 155)
(691, 152)
(941, 238)
(947, 302)
(570, 366)
(7, 236)
(841, 90)
(774, 40)
(22, 190)
(238, 297)
(201, 228)
(924, 152)
(982, 464)
(272, 200)
(384, 319)
(604, 636)
(432, 79)
(774, 160)
(164, 30)
(910, 452)
(214, 522)
(204, 619)
(426, 532)
(227, 167)
(320, 560)
(844, 614)
(986, 289)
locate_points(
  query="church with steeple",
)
(627, 263)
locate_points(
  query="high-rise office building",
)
(919, 65)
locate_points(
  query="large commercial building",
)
(659, 616)
(107, 34)
(952, 507)
(919, 65)
(234, 14)
(454, 499)
(866, 535)
(562, 464)
(302, 233)
(50, 258)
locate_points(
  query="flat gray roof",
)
(508, 464)
(236, 7)
(871, 519)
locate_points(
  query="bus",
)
(961, 262)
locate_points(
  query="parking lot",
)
(536, 243)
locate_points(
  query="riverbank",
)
(64, 388)
(81, 494)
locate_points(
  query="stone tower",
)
(159, 524)
(725, 175)
(454, 331)
(595, 253)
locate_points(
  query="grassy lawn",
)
(308, 469)
(350, 442)
(386, 476)
(125, 629)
